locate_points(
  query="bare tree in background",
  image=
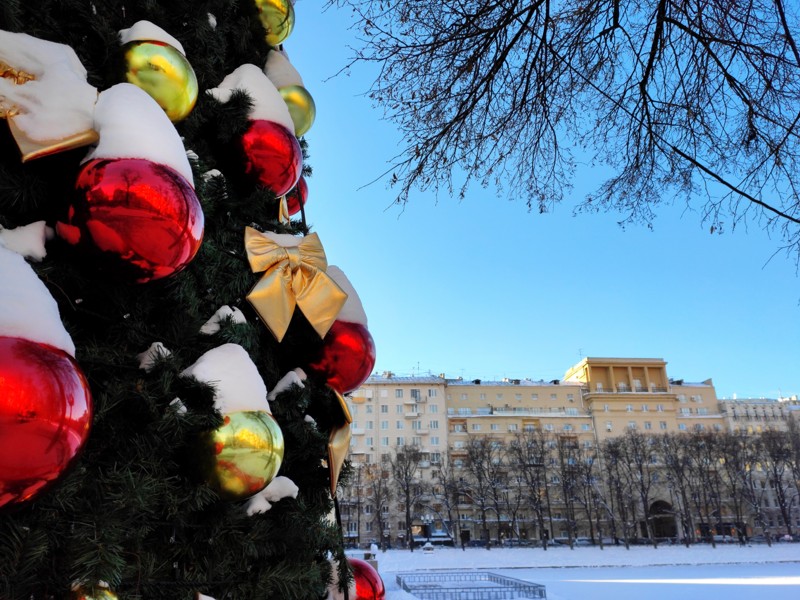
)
(406, 474)
(697, 101)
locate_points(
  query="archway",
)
(663, 519)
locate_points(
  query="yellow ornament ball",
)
(99, 593)
(243, 455)
(301, 107)
(277, 17)
(164, 73)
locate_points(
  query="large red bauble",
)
(369, 585)
(272, 156)
(296, 198)
(346, 358)
(45, 414)
(137, 219)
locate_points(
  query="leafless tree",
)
(733, 459)
(678, 459)
(622, 503)
(529, 452)
(379, 490)
(777, 455)
(449, 490)
(697, 101)
(408, 484)
(481, 474)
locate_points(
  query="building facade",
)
(456, 424)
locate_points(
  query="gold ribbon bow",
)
(293, 275)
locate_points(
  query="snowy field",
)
(587, 573)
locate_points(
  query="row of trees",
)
(635, 487)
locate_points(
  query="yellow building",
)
(597, 400)
(636, 393)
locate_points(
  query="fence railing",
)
(468, 585)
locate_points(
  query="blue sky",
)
(481, 288)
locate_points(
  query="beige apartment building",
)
(597, 399)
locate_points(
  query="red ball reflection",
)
(272, 156)
(347, 356)
(297, 196)
(138, 219)
(369, 585)
(45, 415)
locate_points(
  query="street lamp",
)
(427, 521)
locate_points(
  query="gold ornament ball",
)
(277, 17)
(243, 455)
(301, 107)
(164, 73)
(99, 593)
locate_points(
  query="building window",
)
(463, 396)
(398, 424)
(431, 392)
(548, 427)
(513, 427)
(458, 445)
(476, 427)
(499, 396)
(384, 425)
(370, 424)
(662, 424)
(645, 408)
(517, 396)
(567, 427)
(573, 412)
(401, 441)
(494, 427)
(605, 407)
(682, 426)
(465, 411)
(434, 440)
(571, 397)
(685, 410)
(384, 441)
(415, 394)
(417, 425)
(609, 426)
(648, 425)
(631, 424)
(433, 408)
(369, 409)
(629, 407)
(458, 428)
(586, 427)
(384, 393)
(384, 408)
(416, 441)
(660, 408)
(702, 410)
(553, 396)
(433, 424)
(681, 398)
(398, 393)
(534, 396)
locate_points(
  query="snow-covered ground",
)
(587, 573)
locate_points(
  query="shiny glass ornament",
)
(99, 593)
(243, 455)
(277, 17)
(368, 583)
(135, 219)
(297, 196)
(301, 107)
(164, 73)
(45, 415)
(346, 358)
(272, 156)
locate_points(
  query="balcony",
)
(357, 431)
(411, 414)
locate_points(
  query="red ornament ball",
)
(346, 358)
(45, 415)
(272, 156)
(297, 196)
(369, 585)
(135, 218)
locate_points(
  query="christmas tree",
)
(174, 346)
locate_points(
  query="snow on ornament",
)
(290, 85)
(156, 62)
(135, 213)
(44, 95)
(45, 402)
(271, 155)
(347, 355)
(241, 456)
